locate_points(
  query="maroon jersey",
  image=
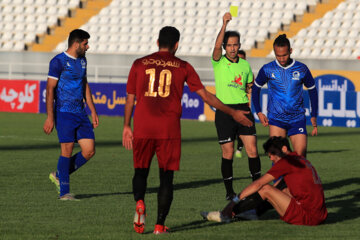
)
(157, 80)
(303, 183)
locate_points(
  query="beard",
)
(80, 52)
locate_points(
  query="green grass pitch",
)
(29, 208)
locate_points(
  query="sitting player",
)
(300, 202)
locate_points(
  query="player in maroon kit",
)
(157, 82)
(302, 202)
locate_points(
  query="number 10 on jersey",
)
(164, 83)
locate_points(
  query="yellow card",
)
(234, 11)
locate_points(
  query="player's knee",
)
(89, 154)
(264, 190)
(251, 151)
(228, 153)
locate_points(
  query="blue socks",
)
(76, 162)
(63, 173)
(65, 167)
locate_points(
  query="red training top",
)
(157, 80)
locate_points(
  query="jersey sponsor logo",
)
(296, 75)
(238, 80)
(160, 62)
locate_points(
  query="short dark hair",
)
(274, 146)
(230, 34)
(242, 52)
(77, 35)
(282, 41)
(168, 37)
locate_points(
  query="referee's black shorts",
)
(227, 128)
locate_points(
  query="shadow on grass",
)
(346, 203)
(195, 225)
(179, 186)
(191, 225)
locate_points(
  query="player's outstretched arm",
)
(213, 101)
(219, 39)
(90, 103)
(127, 136)
(49, 122)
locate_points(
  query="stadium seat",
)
(75, 3)
(329, 43)
(246, 5)
(325, 53)
(315, 53)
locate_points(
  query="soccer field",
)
(29, 208)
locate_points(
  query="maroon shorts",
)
(297, 215)
(168, 153)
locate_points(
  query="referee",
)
(232, 75)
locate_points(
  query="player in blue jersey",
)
(66, 90)
(285, 79)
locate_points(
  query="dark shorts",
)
(71, 127)
(291, 128)
(297, 215)
(227, 128)
(168, 152)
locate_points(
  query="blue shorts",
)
(71, 127)
(291, 128)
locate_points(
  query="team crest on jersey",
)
(272, 75)
(68, 64)
(296, 75)
(83, 64)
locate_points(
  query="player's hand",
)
(314, 123)
(248, 88)
(241, 118)
(48, 125)
(263, 119)
(226, 18)
(95, 120)
(127, 138)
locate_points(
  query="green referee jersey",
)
(231, 79)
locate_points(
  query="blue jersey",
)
(71, 75)
(285, 90)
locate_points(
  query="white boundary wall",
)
(115, 67)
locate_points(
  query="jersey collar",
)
(237, 61)
(289, 66)
(69, 55)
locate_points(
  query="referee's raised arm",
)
(220, 37)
